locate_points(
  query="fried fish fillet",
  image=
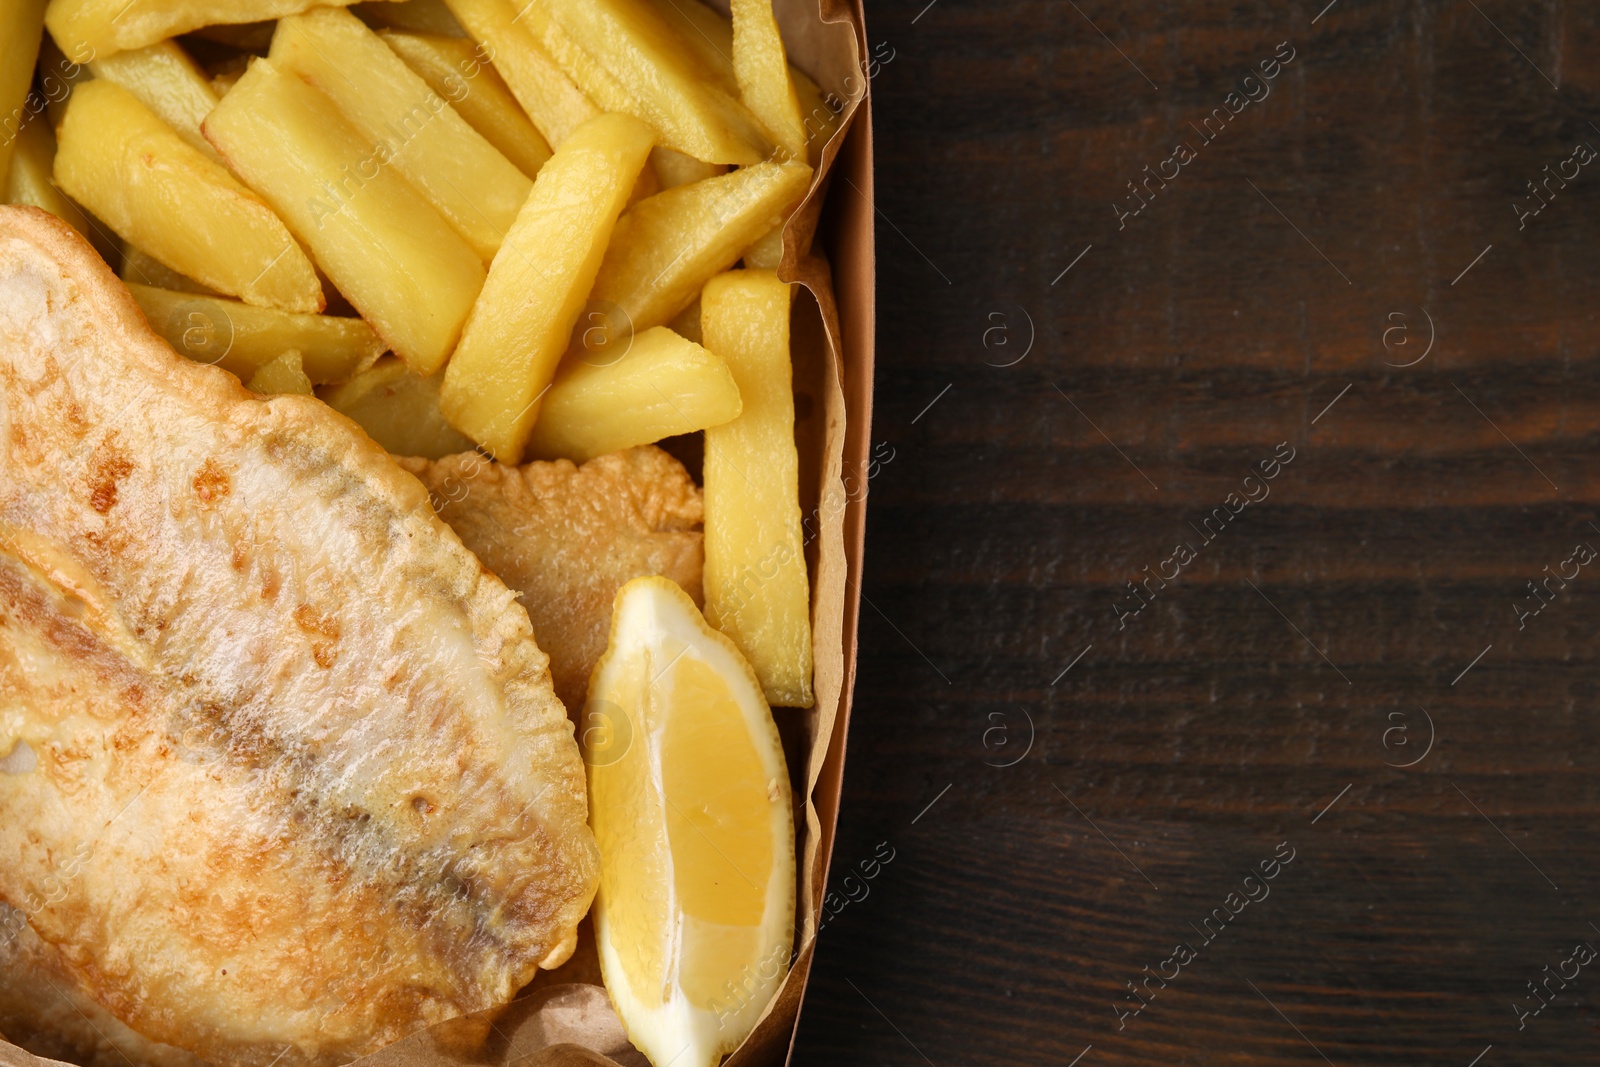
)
(43, 1010)
(284, 775)
(568, 537)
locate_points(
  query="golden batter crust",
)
(298, 783)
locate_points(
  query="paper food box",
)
(564, 1016)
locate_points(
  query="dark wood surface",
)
(1265, 694)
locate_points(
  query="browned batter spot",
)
(212, 483)
(72, 417)
(315, 622)
(110, 465)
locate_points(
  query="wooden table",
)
(1350, 268)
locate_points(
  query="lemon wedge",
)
(689, 799)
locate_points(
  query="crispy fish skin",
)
(296, 782)
(568, 537)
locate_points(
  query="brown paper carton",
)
(564, 1017)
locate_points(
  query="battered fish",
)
(567, 538)
(284, 775)
(43, 1011)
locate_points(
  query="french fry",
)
(819, 119)
(167, 82)
(226, 75)
(644, 54)
(662, 386)
(551, 100)
(670, 245)
(58, 77)
(523, 321)
(607, 93)
(121, 162)
(674, 168)
(647, 186)
(755, 576)
(412, 16)
(91, 29)
(610, 95)
(282, 375)
(537, 59)
(386, 249)
(141, 268)
(243, 339)
(762, 67)
(687, 324)
(244, 36)
(21, 27)
(767, 252)
(707, 33)
(475, 188)
(457, 70)
(30, 180)
(399, 410)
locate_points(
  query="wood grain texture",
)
(1285, 667)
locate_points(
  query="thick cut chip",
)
(458, 70)
(167, 82)
(226, 75)
(21, 27)
(141, 268)
(32, 178)
(707, 33)
(690, 802)
(309, 742)
(647, 186)
(607, 92)
(817, 114)
(399, 409)
(88, 29)
(412, 16)
(654, 386)
(286, 374)
(762, 67)
(767, 252)
(243, 36)
(521, 324)
(670, 245)
(475, 188)
(568, 538)
(243, 339)
(120, 161)
(58, 77)
(389, 252)
(674, 168)
(552, 101)
(642, 53)
(756, 587)
(687, 324)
